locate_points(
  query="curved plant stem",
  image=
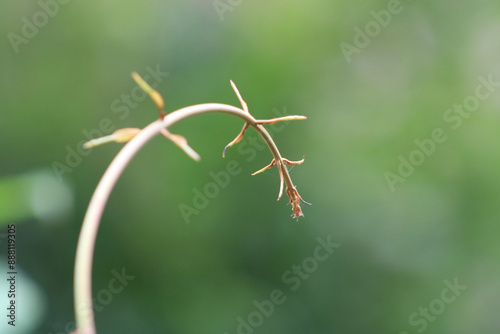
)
(86, 242)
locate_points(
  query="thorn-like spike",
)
(292, 163)
(182, 143)
(119, 136)
(98, 141)
(280, 119)
(243, 103)
(153, 94)
(236, 140)
(305, 201)
(224, 151)
(280, 165)
(265, 168)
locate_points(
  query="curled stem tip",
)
(86, 243)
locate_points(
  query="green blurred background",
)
(400, 248)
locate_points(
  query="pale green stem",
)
(86, 242)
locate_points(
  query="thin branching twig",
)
(136, 139)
